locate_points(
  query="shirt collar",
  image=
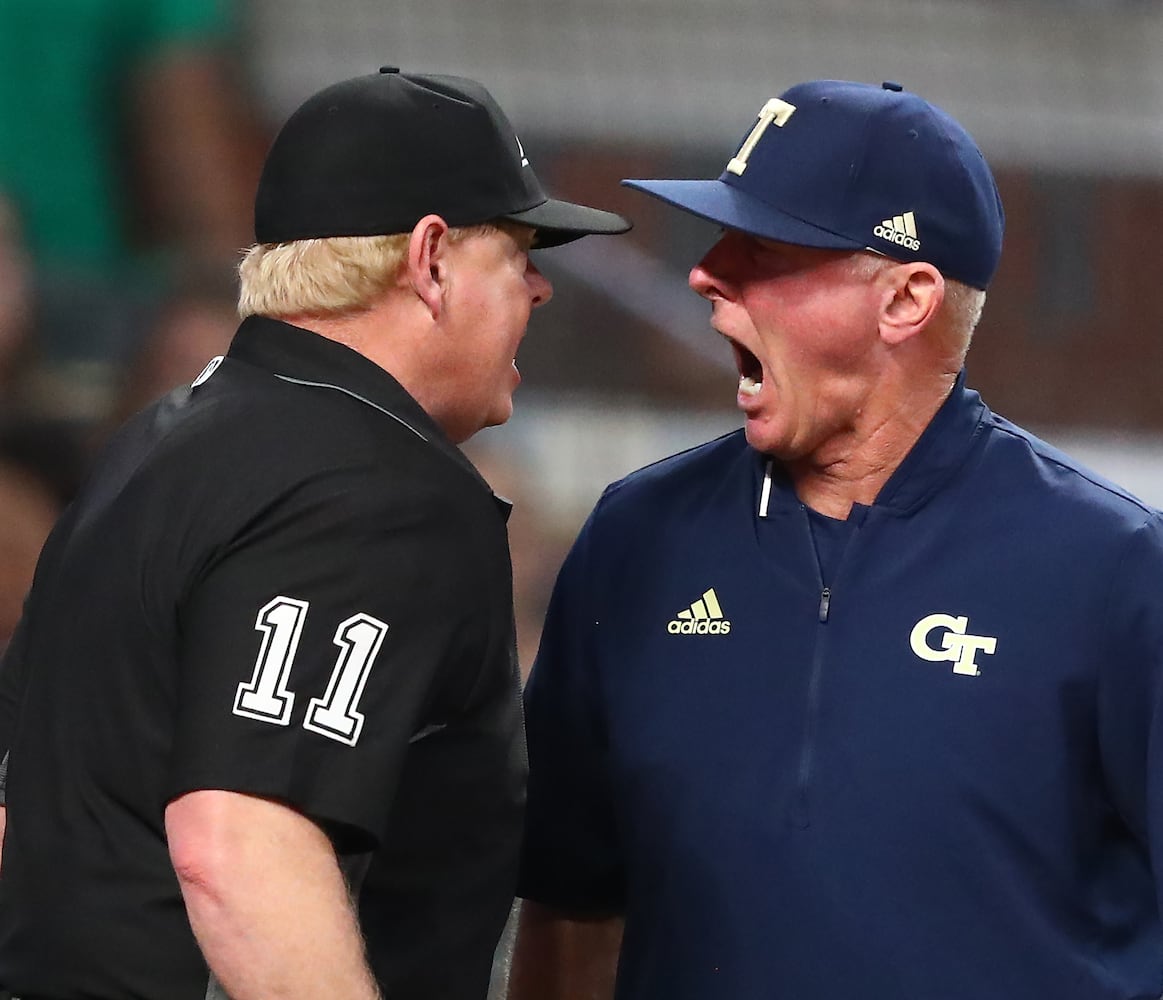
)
(308, 359)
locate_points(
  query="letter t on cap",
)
(776, 112)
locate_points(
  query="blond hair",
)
(332, 275)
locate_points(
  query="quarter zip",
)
(801, 804)
(801, 813)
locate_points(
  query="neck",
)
(397, 333)
(853, 466)
(388, 332)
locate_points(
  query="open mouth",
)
(750, 370)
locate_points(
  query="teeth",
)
(748, 386)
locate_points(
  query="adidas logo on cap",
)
(901, 230)
(704, 617)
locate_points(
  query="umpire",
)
(274, 634)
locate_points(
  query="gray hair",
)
(959, 314)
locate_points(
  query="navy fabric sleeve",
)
(571, 856)
(1130, 705)
(310, 649)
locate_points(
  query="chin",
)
(500, 415)
(765, 443)
(755, 436)
(501, 419)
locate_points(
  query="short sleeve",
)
(571, 856)
(310, 648)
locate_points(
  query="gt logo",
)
(956, 644)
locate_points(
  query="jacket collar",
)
(939, 452)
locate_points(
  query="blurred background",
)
(132, 132)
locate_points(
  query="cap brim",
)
(559, 222)
(731, 208)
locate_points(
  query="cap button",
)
(893, 86)
(389, 69)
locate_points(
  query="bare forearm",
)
(558, 958)
(268, 938)
(268, 903)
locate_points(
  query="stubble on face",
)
(800, 322)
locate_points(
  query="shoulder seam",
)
(1114, 489)
(353, 395)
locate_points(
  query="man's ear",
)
(917, 291)
(425, 270)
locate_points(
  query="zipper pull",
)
(825, 601)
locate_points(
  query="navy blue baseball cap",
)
(845, 165)
(373, 155)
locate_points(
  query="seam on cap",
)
(439, 93)
(855, 172)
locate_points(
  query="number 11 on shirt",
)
(267, 696)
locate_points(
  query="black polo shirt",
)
(283, 581)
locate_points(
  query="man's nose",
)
(708, 276)
(539, 285)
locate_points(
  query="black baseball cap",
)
(843, 165)
(373, 155)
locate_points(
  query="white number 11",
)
(267, 697)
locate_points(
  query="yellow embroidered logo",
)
(901, 230)
(704, 617)
(956, 643)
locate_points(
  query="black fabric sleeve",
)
(13, 678)
(310, 649)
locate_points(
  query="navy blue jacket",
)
(935, 775)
